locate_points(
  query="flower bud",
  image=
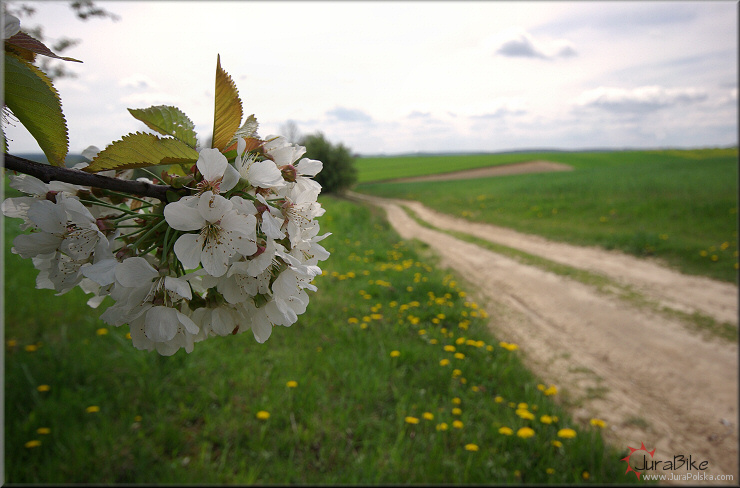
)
(124, 252)
(104, 225)
(289, 173)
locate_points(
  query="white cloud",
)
(143, 100)
(344, 114)
(137, 81)
(517, 42)
(641, 99)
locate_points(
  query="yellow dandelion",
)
(489, 348)
(525, 414)
(352, 320)
(459, 355)
(456, 373)
(33, 443)
(92, 409)
(552, 390)
(31, 348)
(363, 325)
(567, 433)
(409, 288)
(263, 415)
(411, 420)
(433, 341)
(11, 343)
(291, 384)
(585, 475)
(525, 432)
(598, 423)
(460, 341)
(456, 411)
(43, 388)
(556, 443)
(101, 331)
(456, 401)
(428, 416)
(475, 389)
(546, 419)
(449, 348)
(138, 418)
(550, 471)
(444, 362)
(471, 447)
(395, 354)
(461, 294)
(442, 426)
(43, 430)
(541, 387)
(522, 406)
(457, 424)
(422, 331)
(498, 399)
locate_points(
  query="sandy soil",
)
(651, 378)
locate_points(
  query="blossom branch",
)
(47, 173)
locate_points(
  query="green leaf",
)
(228, 111)
(32, 98)
(23, 42)
(247, 130)
(139, 150)
(168, 121)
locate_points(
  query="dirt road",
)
(649, 376)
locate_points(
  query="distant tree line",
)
(339, 173)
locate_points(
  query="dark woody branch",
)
(47, 173)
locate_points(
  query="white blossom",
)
(223, 233)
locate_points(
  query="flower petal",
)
(183, 214)
(102, 272)
(244, 207)
(48, 216)
(160, 324)
(309, 167)
(29, 245)
(231, 178)
(265, 174)
(188, 250)
(135, 272)
(213, 207)
(190, 326)
(178, 286)
(211, 164)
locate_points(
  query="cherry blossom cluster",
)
(238, 252)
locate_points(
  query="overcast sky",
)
(396, 77)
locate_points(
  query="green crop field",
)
(392, 167)
(679, 206)
(391, 376)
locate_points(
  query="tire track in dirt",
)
(649, 377)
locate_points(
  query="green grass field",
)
(397, 380)
(679, 206)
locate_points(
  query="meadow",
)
(679, 206)
(392, 376)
